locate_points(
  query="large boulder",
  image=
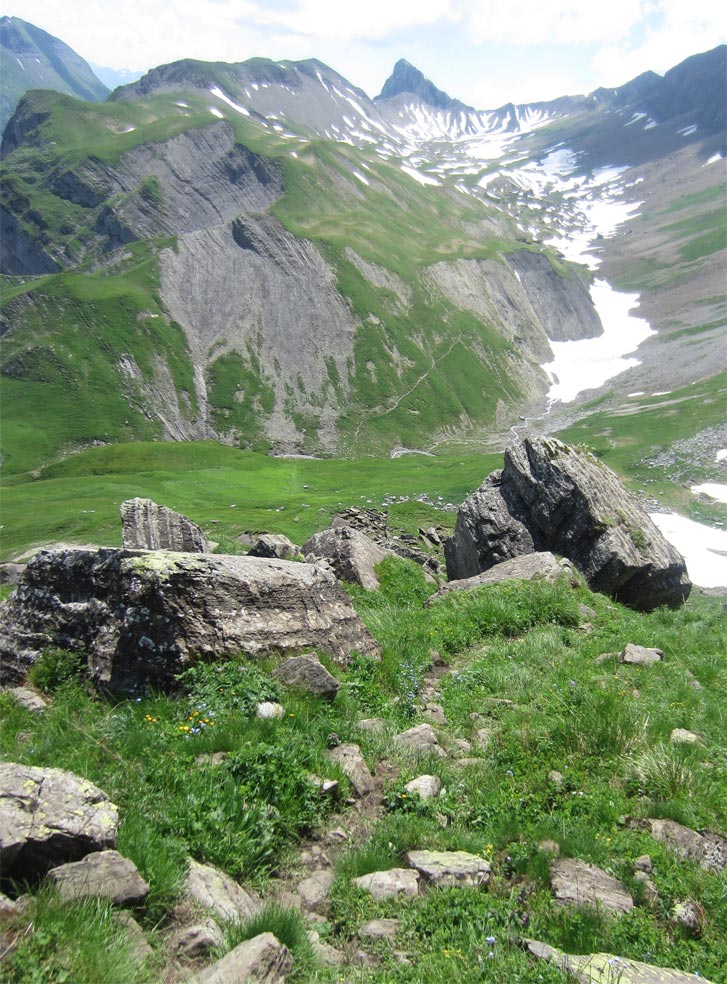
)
(103, 874)
(49, 817)
(550, 496)
(148, 526)
(352, 555)
(142, 616)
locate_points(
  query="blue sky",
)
(485, 52)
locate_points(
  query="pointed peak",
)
(406, 78)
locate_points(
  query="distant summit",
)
(407, 79)
(33, 59)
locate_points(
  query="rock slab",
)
(550, 496)
(388, 884)
(148, 526)
(606, 968)
(353, 765)
(307, 673)
(144, 616)
(540, 566)
(103, 874)
(351, 554)
(215, 891)
(49, 817)
(450, 869)
(580, 884)
(262, 959)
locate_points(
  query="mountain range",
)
(262, 254)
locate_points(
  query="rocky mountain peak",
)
(407, 78)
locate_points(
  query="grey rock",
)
(144, 616)
(103, 874)
(262, 959)
(353, 765)
(556, 778)
(541, 566)
(274, 545)
(650, 892)
(603, 968)
(376, 726)
(549, 496)
(450, 869)
(707, 849)
(461, 747)
(324, 952)
(352, 555)
(426, 787)
(197, 940)
(268, 710)
(580, 884)
(7, 906)
(419, 740)
(644, 863)
(11, 573)
(688, 917)
(435, 713)
(29, 699)
(49, 817)
(680, 736)
(138, 943)
(388, 884)
(221, 895)
(634, 655)
(379, 929)
(308, 674)
(148, 526)
(315, 890)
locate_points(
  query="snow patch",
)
(713, 490)
(704, 548)
(713, 159)
(721, 455)
(216, 91)
(421, 178)
(361, 177)
(590, 362)
(687, 131)
(183, 105)
(215, 112)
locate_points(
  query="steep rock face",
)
(142, 616)
(562, 304)
(250, 285)
(148, 526)
(551, 497)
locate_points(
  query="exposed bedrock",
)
(143, 616)
(549, 496)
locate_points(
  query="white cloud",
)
(373, 20)
(683, 28)
(553, 21)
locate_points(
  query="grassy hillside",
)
(523, 686)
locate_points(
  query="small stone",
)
(451, 868)
(555, 778)
(649, 890)
(213, 889)
(314, 891)
(103, 874)
(680, 736)
(550, 847)
(337, 836)
(379, 929)
(634, 655)
(263, 958)
(388, 884)
(308, 674)
(274, 545)
(461, 746)
(688, 916)
(644, 863)
(139, 945)
(269, 710)
(484, 737)
(435, 713)
(353, 765)
(211, 758)
(28, 699)
(419, 740)
(376, 726)
(192, 942)
(324, 952)
(329, 787)
(426, 787)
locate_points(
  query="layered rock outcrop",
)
(142, 616)
(148, 526)
(550, 496)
